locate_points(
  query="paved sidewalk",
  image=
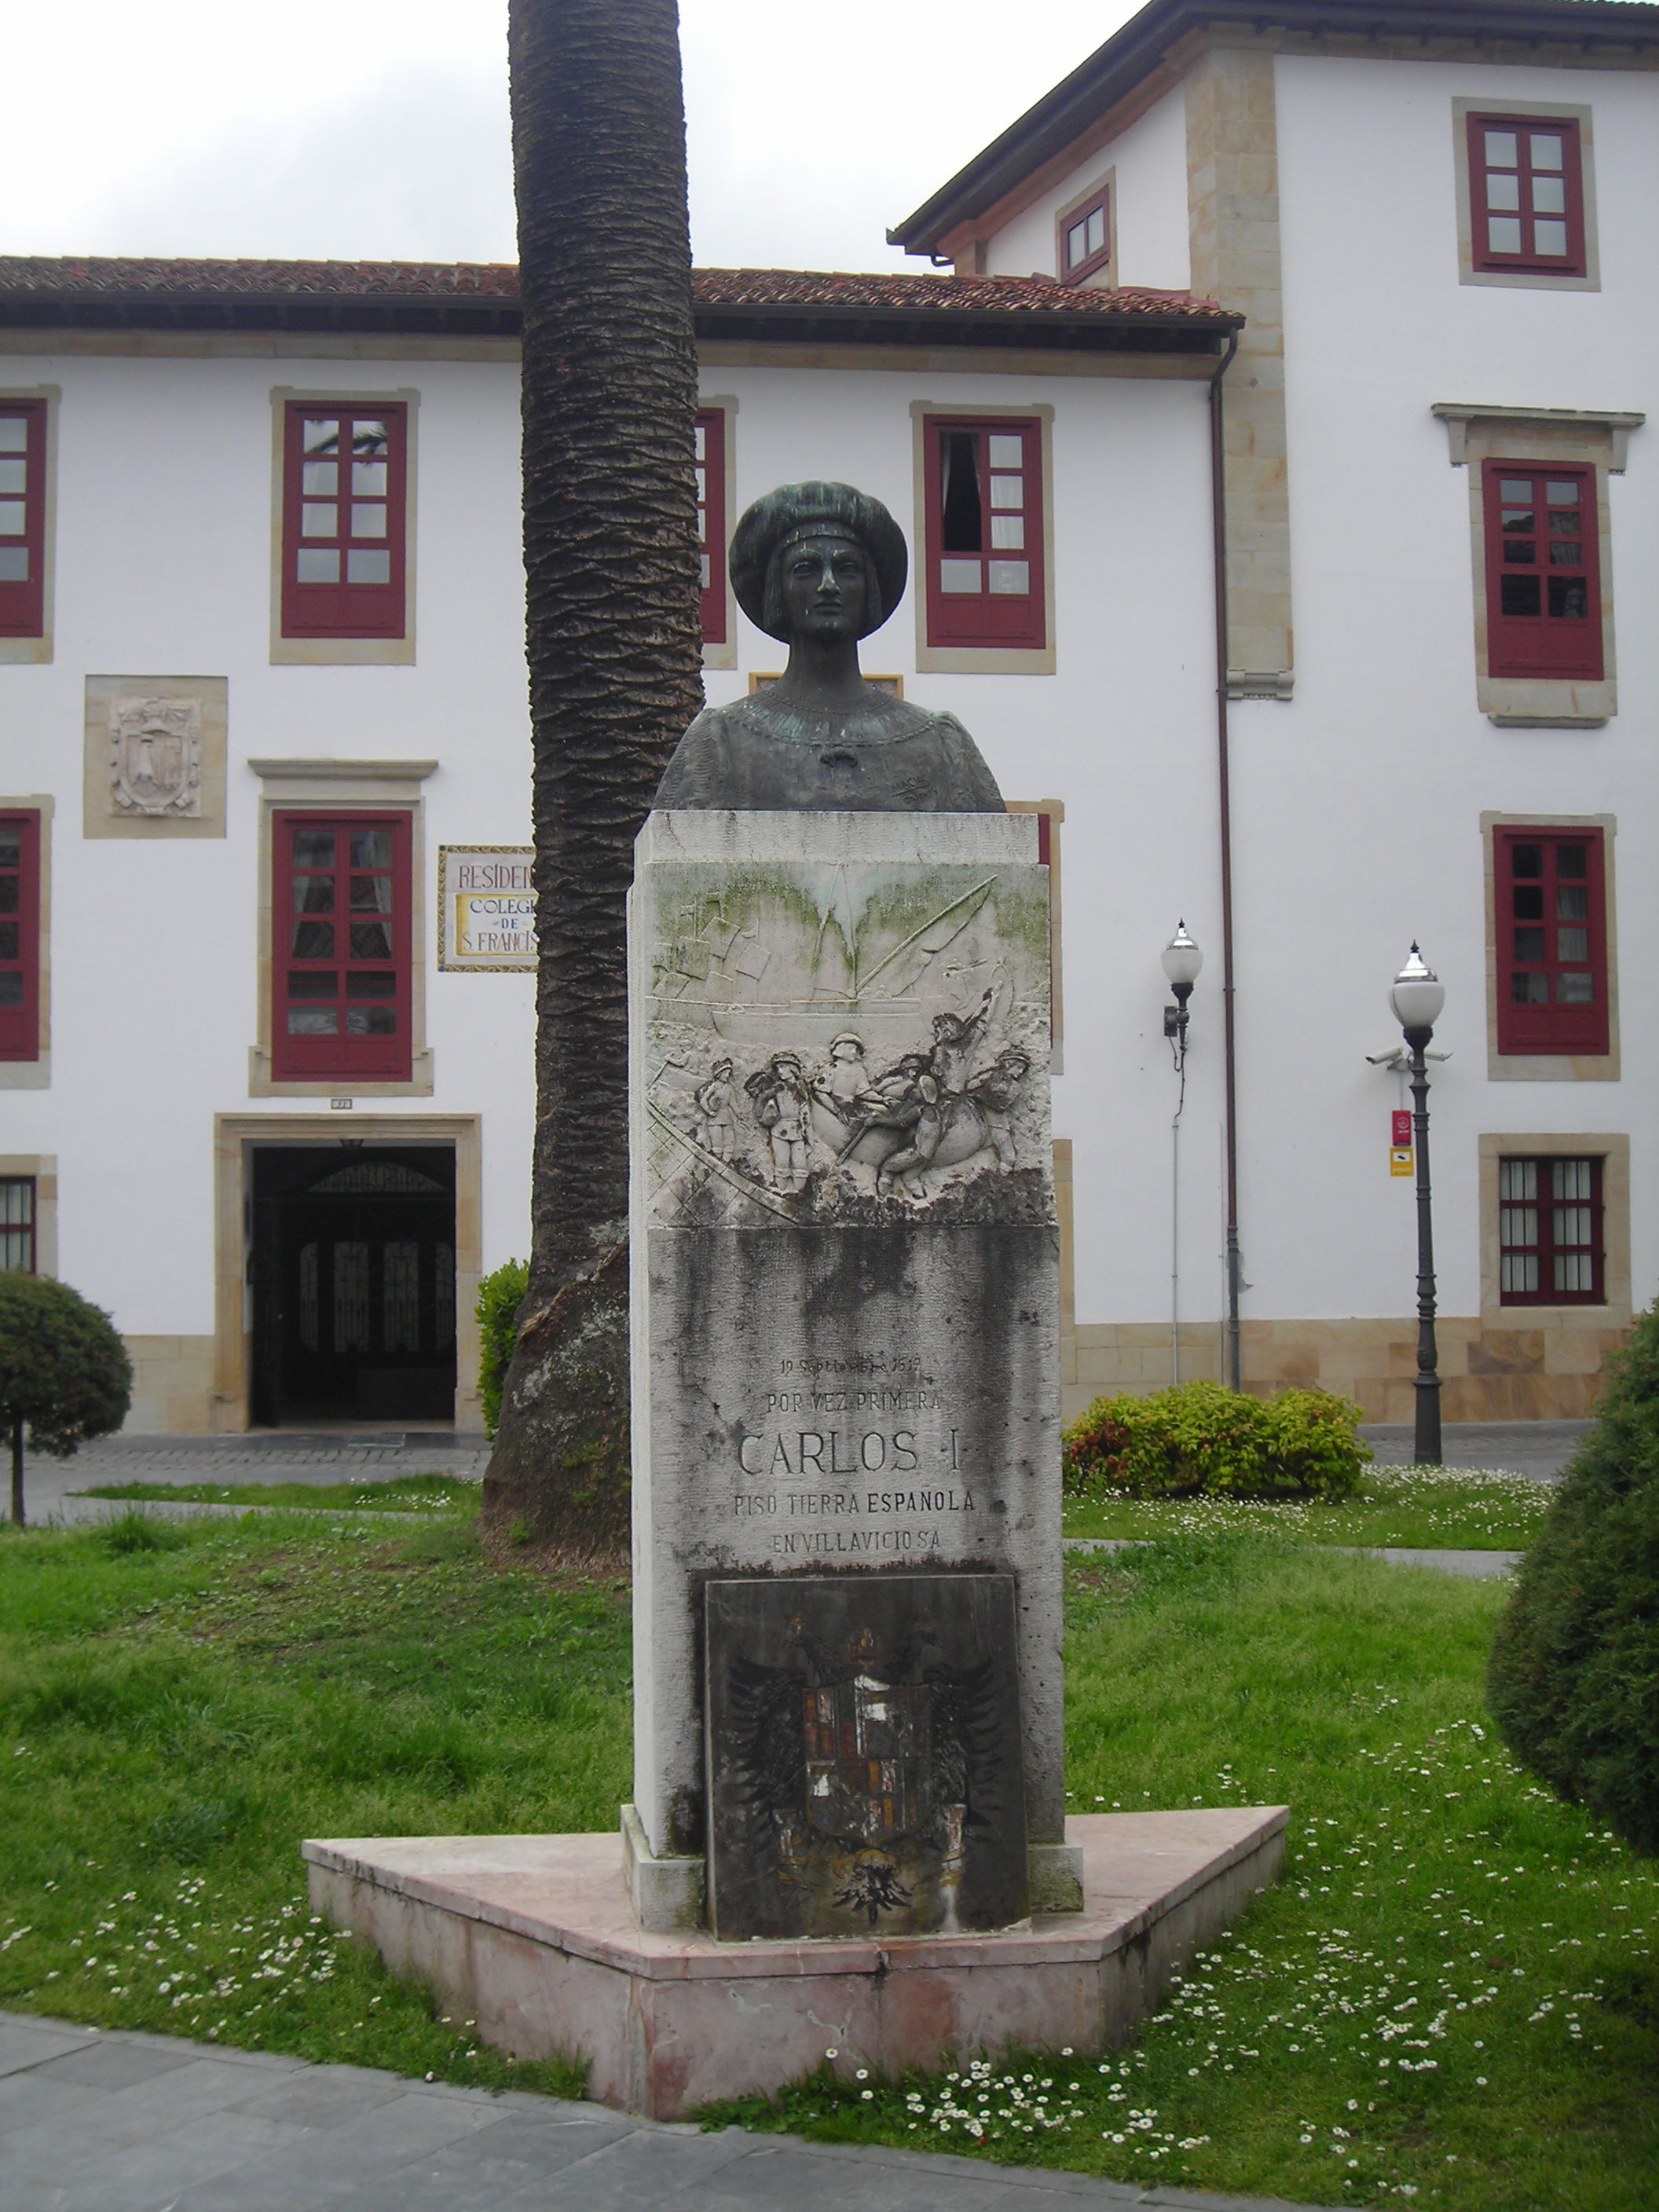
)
(1539, 1448)
(122, 2122)
(272, 1456)
(1445, 1562)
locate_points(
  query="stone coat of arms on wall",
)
(156, 757)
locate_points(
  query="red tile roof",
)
(68, 282)
(905, 291)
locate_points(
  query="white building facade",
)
(267, 1083)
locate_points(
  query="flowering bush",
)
(1197, 1438)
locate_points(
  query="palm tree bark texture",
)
(613, 639)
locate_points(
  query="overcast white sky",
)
(377, 129)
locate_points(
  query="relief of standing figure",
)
(783, 1107)
(715, 1101)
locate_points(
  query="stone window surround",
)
(341, 652)
(235, 1137)
(35, 1074)
(1612, 1150)
(724, 403)
(97, 819)
(331, 786)
(43, 1167)
(982, 660)
(1552, 1067)
(1581, 437)
(1524, 279)
(1102, 270)
(35, 651)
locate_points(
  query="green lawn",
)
(1431, 1508)
(1453, 1996)
(403, 1493)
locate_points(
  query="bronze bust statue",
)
(818, 566)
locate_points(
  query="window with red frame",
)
(710, 434)
(1526, 181)
(1543, 583)
(23, 517)
(1549, 1232)
(983, 533)
(1552, 941)
(344, 474)
(20, 937)
(341, 983)
(1086, 238)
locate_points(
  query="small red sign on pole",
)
(1403, 1126)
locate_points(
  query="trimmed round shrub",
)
(500, 1295)
(1199, 1439)
(64, 1373)
(1574, 1678)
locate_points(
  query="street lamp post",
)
(1417, 998)
(1182, 962)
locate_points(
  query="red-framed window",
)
(1543, 578)
(20, 936)
(341, 966)
(23, 517)
(710, 436)
(1527, 183)
(1552, 940)
(344, 509)
(983, 530)
(1549, 1232)
(1086, 236)
(17, 1224)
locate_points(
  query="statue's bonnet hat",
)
(810, 510)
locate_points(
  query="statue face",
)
(825, 587)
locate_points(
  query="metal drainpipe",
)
(1218, 507)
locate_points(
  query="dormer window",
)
(1084, 234)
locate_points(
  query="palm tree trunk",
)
(610, 559)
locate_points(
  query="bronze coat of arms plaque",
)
(864, 1755)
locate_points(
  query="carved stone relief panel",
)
(155, 756)
(155, 759)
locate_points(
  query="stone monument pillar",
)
(846, 1306)
(846, 1333)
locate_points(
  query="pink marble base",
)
(534, 1938)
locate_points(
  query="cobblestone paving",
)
(92, 2122)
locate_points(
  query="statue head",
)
(830, 521)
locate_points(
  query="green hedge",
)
(1198, 1439)
(497, 1310)
(1574, 1680)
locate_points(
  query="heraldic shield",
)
(864, 1755)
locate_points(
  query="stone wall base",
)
(535, 1938)
(1546, 1364)
(172, 1382)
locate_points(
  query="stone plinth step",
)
(535, 1938)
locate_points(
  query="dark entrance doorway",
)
(354, 1283)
